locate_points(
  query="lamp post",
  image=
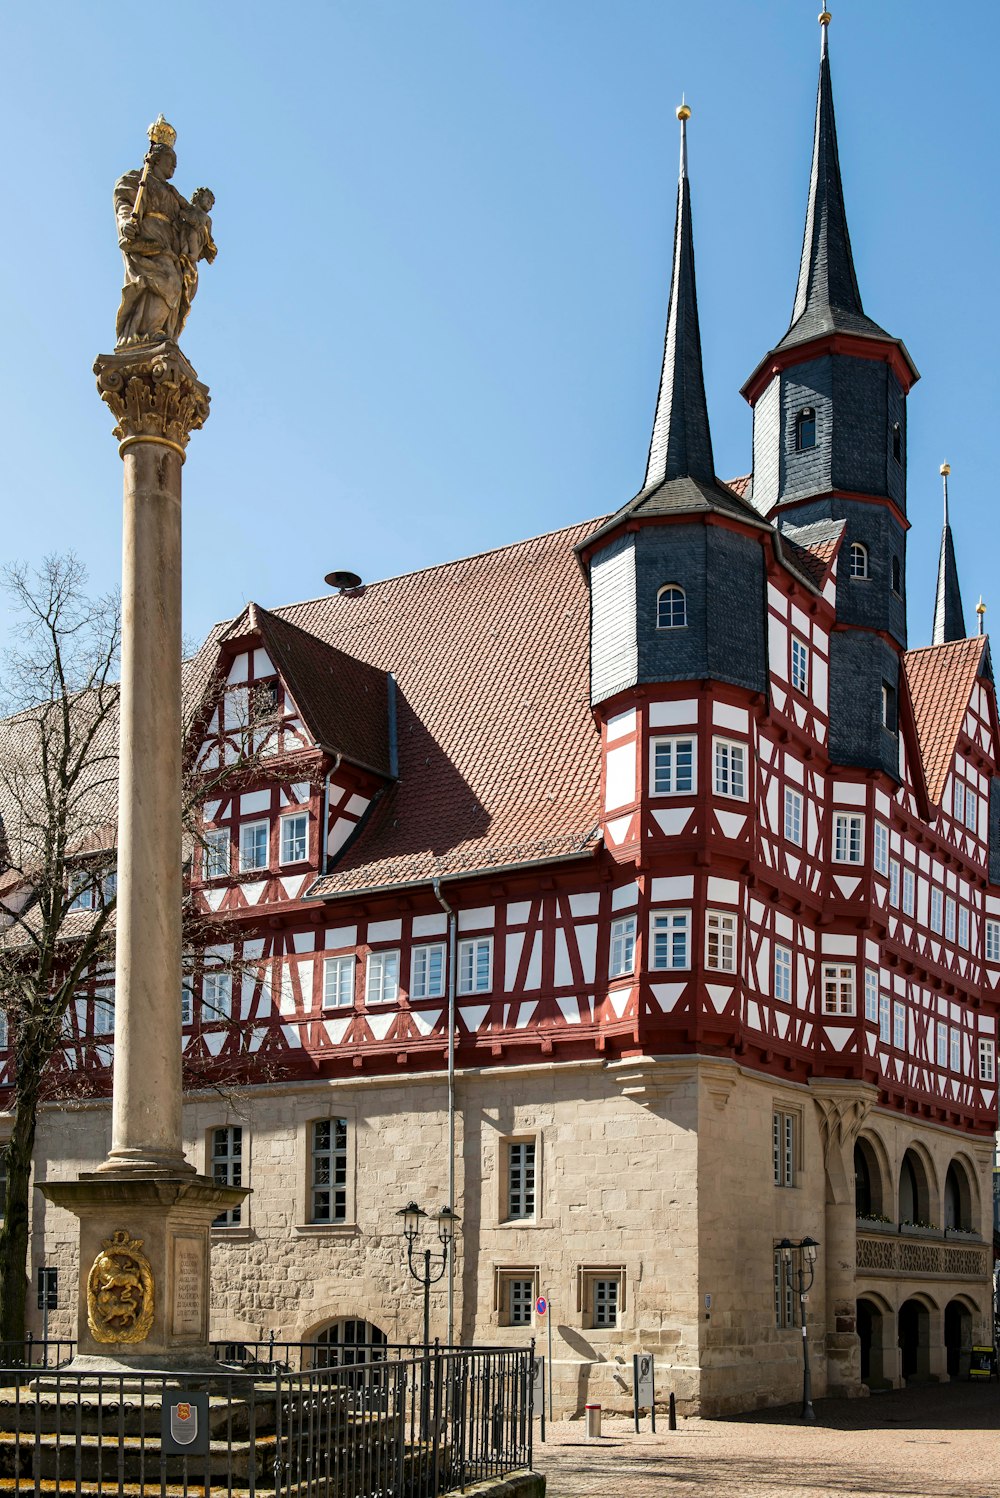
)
(413, 1217)
(805, 1250)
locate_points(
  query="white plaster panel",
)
(673, 714)
(586, 942)
(845, 793)
(518, 912)
(726, 890)
(262, 664)
(588, 904)
(620, 725)
(239, 670)
(477, 918)
(736, 719)
(384, 931)
(430, 925)
(624, 896)
(679, 887)
(338, 937)
(254, 801)
(619, 784)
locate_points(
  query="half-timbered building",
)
(633, 887)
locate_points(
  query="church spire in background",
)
(681, 445)
(949, 616)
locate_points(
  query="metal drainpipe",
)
(325, 830)
(452, 948)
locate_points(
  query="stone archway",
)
(913, 1328)
(957, 1338)
(872, 1322)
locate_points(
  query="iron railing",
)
(411, 1425)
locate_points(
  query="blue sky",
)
(435, 323)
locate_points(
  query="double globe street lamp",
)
(804, 1253)
(413, 1218)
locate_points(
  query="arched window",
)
(345, 1343)
(805, 429)
(671, 607)
(897, 573)
(897, 442)
(867, 1181)
(957, 1198)
(859, 559)
(914, 1192)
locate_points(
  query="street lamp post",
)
(413, 1217)
(805, 1250)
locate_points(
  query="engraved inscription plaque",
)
(189, 1288)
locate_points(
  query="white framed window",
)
(899, 1026)
(427, 970)
(858, 560)
(216, 995)
(254, 838)
(784, 1139)
(871, 995)
(382, 978)
(958, 800)
(848, 837)
(942, 1046)
(909, 891)
(674, 769)
(784, 1296)
(987, 1061)
(793, 816)
(884, 1019)
(950, 911)
(963, 926)
(295, 837)
(621, 956)
(800, 664)
(730, 768)
(971, 809)
(82, 890)
(993, 941)
(226, 1168)
(720, 941)
(338, 982)
(187, 1002)
(956, 1049)
(475, 965)
(894, 882)
(215, 854)
(880, 850)
(104, 1011)
(783, 974)
(521, 1179)
(888, 707)
(838, 988)
(671, 607)
(937, 909)
(328, 1170)
(671, 939)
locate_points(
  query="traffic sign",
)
(541, 1305)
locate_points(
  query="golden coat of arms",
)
(120, 1291)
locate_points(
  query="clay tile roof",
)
(814, 547)
(742, 486)
(344, 701)
(940, 679)
(499, 759)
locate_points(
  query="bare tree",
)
(58, 821)
(58, 773)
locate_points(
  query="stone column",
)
(145, 1215)
(843, 1107)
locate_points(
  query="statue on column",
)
(162, 238)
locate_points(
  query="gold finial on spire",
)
(825, 18)
(945, 469)
(162, 134)
(683, 111)
(981, 611)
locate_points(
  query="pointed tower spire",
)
(949, 616)
(681, 445)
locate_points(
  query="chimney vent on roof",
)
(342, 580)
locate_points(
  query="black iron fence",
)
(404, 1424)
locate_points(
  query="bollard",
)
(593, 1422)
(672, 1414)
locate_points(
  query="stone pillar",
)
(843, 1107)
(145, 1215)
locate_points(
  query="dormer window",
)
(897, 442)
(805, 429)
(896, 575)
(671, 607)
(858, 559)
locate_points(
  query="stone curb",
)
(517, 1485)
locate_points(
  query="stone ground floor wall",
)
(658, 1176)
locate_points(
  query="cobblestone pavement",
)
(937, 1442)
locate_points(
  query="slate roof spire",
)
(681, 445)
(827, 298)
(949, 616)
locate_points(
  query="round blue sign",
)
(541, 1305)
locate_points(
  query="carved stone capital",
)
(153, 393)
(843, 1108)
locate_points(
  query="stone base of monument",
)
(144, 1270)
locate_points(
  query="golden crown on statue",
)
(162, 134)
